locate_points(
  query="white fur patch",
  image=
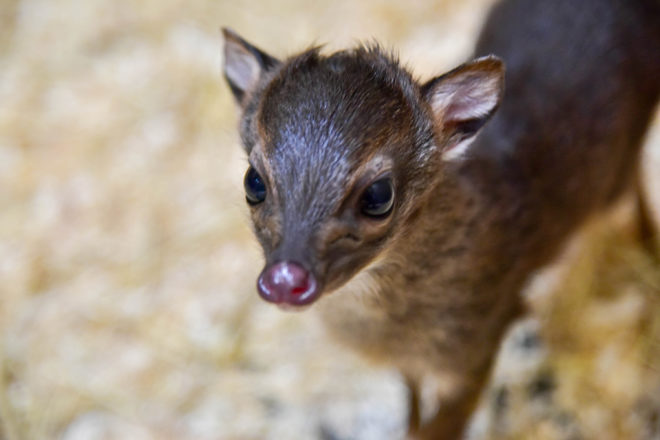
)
(458, 151)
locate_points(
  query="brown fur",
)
(432, 287)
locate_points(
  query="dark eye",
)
(255, 189)
(378, 199)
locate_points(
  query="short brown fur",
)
(488, 187)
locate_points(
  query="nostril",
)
(287, 282)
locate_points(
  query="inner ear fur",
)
(244, 64)
(463, 99)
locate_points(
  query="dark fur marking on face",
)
(322, 116)
(328, 126)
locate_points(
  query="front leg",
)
(414, 416)
(450, 421)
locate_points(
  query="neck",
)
(451, 263)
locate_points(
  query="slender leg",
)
(452, 418)
(414, 416)
(450, 421)
(646, 227)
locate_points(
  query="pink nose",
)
(287, 283)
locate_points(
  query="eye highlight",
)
(378, 199)
(255, 188)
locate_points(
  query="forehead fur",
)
(348, 91)
(320, 116)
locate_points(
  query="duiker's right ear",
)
(244, 64)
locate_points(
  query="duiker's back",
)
(583, 79)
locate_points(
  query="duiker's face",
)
(339, 148)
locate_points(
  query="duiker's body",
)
(423, 220)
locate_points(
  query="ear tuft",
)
(244, 63)
(463, 99)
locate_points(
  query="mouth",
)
(289, 285)
(285, 307)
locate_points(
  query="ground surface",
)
(127, 266)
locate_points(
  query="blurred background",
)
(127, 266)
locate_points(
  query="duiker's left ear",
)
(244, 64)
(463, 99)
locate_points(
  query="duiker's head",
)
(342, 148)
